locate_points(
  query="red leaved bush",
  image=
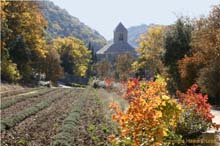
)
(197, 101)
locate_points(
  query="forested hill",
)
(62, 24)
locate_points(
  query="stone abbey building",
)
(118, 46)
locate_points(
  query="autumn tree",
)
(151, 52)
(9, 69)
(23, 35)
(177, 45)
(123, 66)
(188, 69)
(104, 69)
(74, 55)
(202, 66)
(209, 81)
(52, 65)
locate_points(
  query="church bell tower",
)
(120, 34)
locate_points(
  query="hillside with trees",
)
(62, 24)
(26, 52)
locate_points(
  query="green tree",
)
(91, 68)
(177, 45)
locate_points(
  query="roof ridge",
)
(120, 27)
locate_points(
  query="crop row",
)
(20, 98)
(65, 135)
(10, 122)
(16, 92)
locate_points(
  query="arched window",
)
(121, 37)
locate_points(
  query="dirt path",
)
(25, 104)
(216, 113)
(39, 129)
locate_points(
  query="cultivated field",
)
(56, 116)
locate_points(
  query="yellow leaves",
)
(165, 132)
(75, 50)
(163, 103)
(158, 114)
(135, 66)
(10, 69)
(42, 52)
(152, 41)
(3, 4)
(165, 97)
(40, 19)
(179, 107)
(82, 70)
(151, 50)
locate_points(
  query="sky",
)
(104, 15)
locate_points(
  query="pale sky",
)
(104, 15)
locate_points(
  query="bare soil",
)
(93, 126)
(39, 129)
(25, 104)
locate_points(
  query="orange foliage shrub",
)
(150, 117)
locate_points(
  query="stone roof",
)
(120, 28)
(104, 49)
(112, 48)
